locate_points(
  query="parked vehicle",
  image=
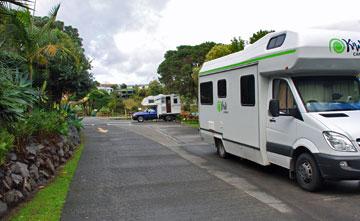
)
(165, 107)
(290, 99)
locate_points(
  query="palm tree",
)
(20, 3)
(36, 44)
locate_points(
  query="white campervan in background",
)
(290, 99)
(166, 107)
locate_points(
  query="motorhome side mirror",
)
(274, 108)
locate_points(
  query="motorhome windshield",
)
(329, 93)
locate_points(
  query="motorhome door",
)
(281, 131)
(168, 104)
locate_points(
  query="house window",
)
(221, 86)
(247, 90)
(206, 93)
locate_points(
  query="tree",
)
(20, 3)
(155, 88)
(176, 71)
(218, 51)
(35, 44)
(237, 44)
(258, 35)
(129, 105)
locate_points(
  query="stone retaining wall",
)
(23, 173)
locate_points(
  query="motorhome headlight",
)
(339, 142)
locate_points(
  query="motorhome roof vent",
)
(335, 115)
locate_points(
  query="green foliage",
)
(176, 71)
(99, 99)
(48, 51)
(104, 111)
(70, 116)
(237, 44)
(16, 96)
(48, 202)
(6, 144)
(218, 51)
(258, 35)
(47, 123)
(131, 104)
(41, 124)
(115, 103)
(155, 88)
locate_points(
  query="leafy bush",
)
(70, 116)
(6, 143)
(104, 111)
(16, 96)
(39, 123)
(47, 123)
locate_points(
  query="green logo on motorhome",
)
(219, 106)
(337, 46)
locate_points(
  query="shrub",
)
(39, 123)
(6, 144)
(47, 123)
(70, 115)
(104, 111)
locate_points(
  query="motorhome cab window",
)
(206, 93)
(282, 92)
(276, 41)
(221, 86)
(328, 93)
(247, 90)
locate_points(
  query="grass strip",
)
(48, 202)
(191, 123)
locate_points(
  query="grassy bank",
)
(48, 202)
(191, 123)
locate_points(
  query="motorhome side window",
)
(276, 41)
(247, 90)
(206, 93)
(282, 92)
(175, 100)
(221, 87)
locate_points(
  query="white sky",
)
(138, 39)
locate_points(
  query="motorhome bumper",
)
(339, 167)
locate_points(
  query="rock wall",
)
(23, 173)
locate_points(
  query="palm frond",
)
(20, 3)
(52, 18)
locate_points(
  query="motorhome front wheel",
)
(307, 173)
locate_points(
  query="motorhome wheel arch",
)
(290, 99)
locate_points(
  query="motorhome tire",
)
(169, 118)
(140, 119)
(307, 173)
(221, 149)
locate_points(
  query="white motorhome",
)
(290, 99)
(161, 106)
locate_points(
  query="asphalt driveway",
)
(164, 171)
(123, 175)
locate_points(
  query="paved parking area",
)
(164, 171)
